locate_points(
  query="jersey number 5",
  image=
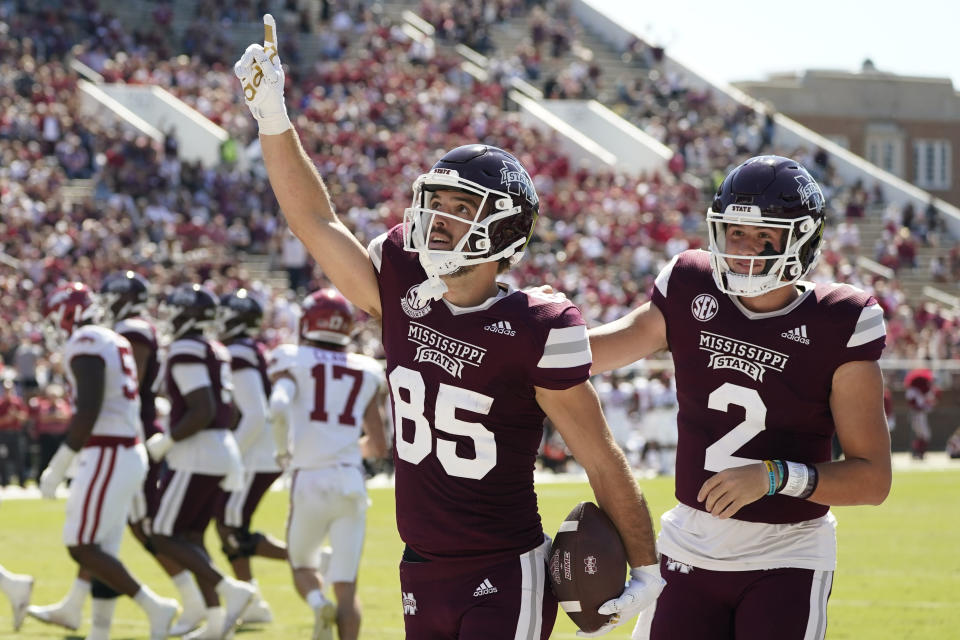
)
(129, 367)
(409, 395)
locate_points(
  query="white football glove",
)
(261, 77)
(158, 445)
(642, 591)
(56, 470)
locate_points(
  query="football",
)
(588, 565)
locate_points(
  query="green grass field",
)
(898, 574)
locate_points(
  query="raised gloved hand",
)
(261, 76)
(639, 593)
(56, 469)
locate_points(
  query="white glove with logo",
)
(261, 76)
(56, 469)
(642, 591)
(158, 445)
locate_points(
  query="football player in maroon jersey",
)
(473, 366)
(769, 366)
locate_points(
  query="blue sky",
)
(746, 39)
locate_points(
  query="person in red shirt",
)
(50, 414)
(13, 413)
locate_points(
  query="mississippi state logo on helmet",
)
(504, 220)
(772, 192)
(327, 317)
(69, 306)
(190, 308)
(124, 295)
(239, 314)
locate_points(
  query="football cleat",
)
(57, 614)
(162, 618)
(189, 620)
(19, 591)
(324, 619)
(258, 612)
(237, 597)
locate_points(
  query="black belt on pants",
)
(409, 555)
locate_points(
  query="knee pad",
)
(240, 543)
(102, 590)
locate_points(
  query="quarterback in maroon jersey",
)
(768, 367)
(473, 367)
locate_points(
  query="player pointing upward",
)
(474, 366)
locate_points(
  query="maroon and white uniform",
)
(141, 331)
(253, 434)
(467, 429)
(755, 386)
(112, 464)
(190, 492)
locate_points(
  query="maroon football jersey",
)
(142, 331)
(467, 423)
(215, 357)
(755, 386)
(247, 353)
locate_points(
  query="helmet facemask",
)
(480, 243)
(801, 246)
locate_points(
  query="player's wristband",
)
(801, 481)
(781, 469)
(772, 476)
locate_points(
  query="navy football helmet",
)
(124, 295)
(239, 314)
(505, 218)
(773, 192)
(189, 309)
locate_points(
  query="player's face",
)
(748, 240)
(448, 229)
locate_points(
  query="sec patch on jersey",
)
(588, 565)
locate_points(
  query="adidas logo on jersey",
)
(484, 589)
(798, 334)
(501, 327)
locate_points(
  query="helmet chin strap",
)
(433, 287)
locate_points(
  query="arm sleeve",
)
(250, 398)
(284, 390)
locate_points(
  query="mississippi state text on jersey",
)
(466, 419)
(755, 386)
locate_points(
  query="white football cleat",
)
(258, 612)
(237, 597)
(162, 618)
(324, 619)
(204, 632)
(19, 590)
(189, 620)
(57, 614)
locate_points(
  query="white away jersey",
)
(326, 414)
(120, 411)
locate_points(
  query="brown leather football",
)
(588, 565)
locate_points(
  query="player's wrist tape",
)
(772, 476)
(801, 481)
(275, 124)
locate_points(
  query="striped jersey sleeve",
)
(566, 358)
